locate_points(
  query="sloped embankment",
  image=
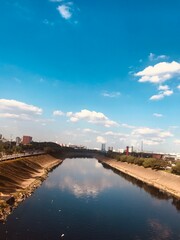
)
(162, 180)
(19, 178)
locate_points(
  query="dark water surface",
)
(82, 200)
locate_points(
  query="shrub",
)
(123, 158)
(148, 162)
(139, 161)
(176, 169)
(154, 163)
(130, 159)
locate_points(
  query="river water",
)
(82, 200)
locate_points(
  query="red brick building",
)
(26, 140)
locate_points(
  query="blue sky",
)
(84, 72)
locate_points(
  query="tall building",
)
(127, 150)
(103, 147)
(18, 141)
(26, 140)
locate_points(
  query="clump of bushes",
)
(176, 169)
(158, 164)
(123, 158)
(146, 162)
(138, 161)
(154, 163)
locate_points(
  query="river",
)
(82, 200)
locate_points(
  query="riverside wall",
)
(20, 177)
(164, 181)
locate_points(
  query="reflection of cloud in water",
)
(88, 187)
(83, 177)
(159, 231)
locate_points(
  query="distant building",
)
(103, 147)
(169, 157)
(121, 150)
(26, 140)
(157, 155)
(110, 149)
(18, 141)
(127, 150)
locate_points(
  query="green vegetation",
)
(51, 148)
(176, 169)
(146, 162)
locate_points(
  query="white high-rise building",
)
(103, 147)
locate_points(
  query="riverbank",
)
(20, 177)
(162, 180)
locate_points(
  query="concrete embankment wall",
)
(20, 177)
(19, 173)
(162, 180)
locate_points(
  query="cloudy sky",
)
(91, 72)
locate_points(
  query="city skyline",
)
(86, 73)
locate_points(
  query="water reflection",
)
(158, 230)
(84, 178)
(154, 192)
(83, 200)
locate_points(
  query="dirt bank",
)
(20, 177)
(162, 180)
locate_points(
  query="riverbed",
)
(83, 200)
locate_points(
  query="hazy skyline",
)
(87, 73)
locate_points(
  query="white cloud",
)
(111, 94)
(161, 95)
(178, 87)
(69, 114)
(65, 11)
(12, 109)
(151, 142)
(16, 106)
(151, 132)
(116, 134)
(163, 87)
(91, 117)
(88, 130)
(150, 136)
(58, 113)
(154, 57)
(159, 73)
(100, 139)
(157, 97)
(127, 126)
(15, 116)
(144, 131)
(168, 93)
(157, 115)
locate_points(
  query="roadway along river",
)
(82, 200)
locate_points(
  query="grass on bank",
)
(153, 163)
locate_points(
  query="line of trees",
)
(149, 162)
(9, 148)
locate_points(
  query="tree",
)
(154, 163)
(176, 169)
